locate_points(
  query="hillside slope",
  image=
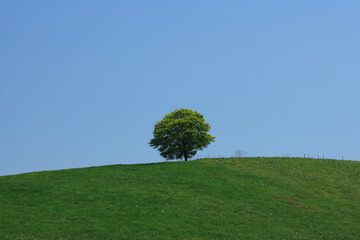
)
(247, 198)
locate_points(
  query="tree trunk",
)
(185, 153)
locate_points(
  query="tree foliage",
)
(180, 134)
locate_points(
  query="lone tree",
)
(180, 134)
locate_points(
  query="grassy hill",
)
(247, 198)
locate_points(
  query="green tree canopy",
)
(180, 134)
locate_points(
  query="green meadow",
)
(243, 198)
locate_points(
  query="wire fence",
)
(243, 154)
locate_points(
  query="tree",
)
(180, 134)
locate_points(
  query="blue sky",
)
(82, 83)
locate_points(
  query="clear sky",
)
(82, 83)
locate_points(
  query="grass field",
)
(247, 198)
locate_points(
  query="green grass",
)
(247, 198)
